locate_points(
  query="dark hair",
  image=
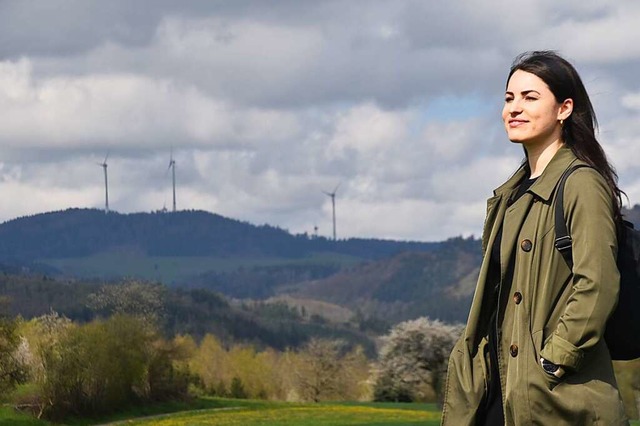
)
(579, 129)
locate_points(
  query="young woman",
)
(533, 350)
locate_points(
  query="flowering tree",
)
(414, 355)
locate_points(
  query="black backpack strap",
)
(563, 239)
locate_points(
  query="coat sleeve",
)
(596, 280)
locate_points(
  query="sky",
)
(264, 105)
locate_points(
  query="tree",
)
(237, 389)
(133, 298)
(168, 375)
(12, 371)
(210, 364)
(106, 365)
(245, 364)
(96, 367)
(414, 355)
(324, 370)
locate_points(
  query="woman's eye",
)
(530, 98)
(508, 99)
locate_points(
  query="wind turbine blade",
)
(106, 157)
(336, 188)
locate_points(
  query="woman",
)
(533, 350)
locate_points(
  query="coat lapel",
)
(515, 215)
(496, 207)
(511, 218)
(512, 223)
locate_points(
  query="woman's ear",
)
(565, 110)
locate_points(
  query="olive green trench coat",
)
(545, 309)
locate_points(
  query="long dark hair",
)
(579, 129)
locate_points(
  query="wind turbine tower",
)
(106, 184)
(172, 166)
(333, 205)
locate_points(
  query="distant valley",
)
(370, 282)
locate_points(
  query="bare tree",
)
(324, 370)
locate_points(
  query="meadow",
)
(223, 412)
(227, 412)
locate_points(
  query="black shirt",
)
(492, 413)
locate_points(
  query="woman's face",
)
(531, 113)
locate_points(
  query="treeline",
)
(68, 369)
(439, 283)
(632, 215)
(82, 232)
(259, 282)
(62, 368)
(178, 311)
(94, 368)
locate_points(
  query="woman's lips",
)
(517, 123)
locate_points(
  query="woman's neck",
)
(539, 157)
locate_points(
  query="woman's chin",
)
(517, 140)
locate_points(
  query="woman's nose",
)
(515, 106)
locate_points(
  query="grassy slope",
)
(170, 269)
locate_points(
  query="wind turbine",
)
(106, 184)
(333, 205)
(172, 166)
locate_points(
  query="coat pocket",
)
(549, 380)
(465, 385)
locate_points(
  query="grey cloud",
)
(267, 103)
(258, 61)
(64, 27)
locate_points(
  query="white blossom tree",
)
(414, 355)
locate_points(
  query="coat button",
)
(517, 297)
(526, 245)
(513, 350)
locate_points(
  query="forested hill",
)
(83, 232)
(633, 215)
(440, 283)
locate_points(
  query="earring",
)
(561, 121)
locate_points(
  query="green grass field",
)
(224, 412)
(252, 413)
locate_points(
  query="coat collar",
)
(546, 183)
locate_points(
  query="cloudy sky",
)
(265, 104)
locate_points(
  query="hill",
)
(380, 281)
(178, 311)
(172, 248)
(439, 283)
(84, 232)
(633, 215)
